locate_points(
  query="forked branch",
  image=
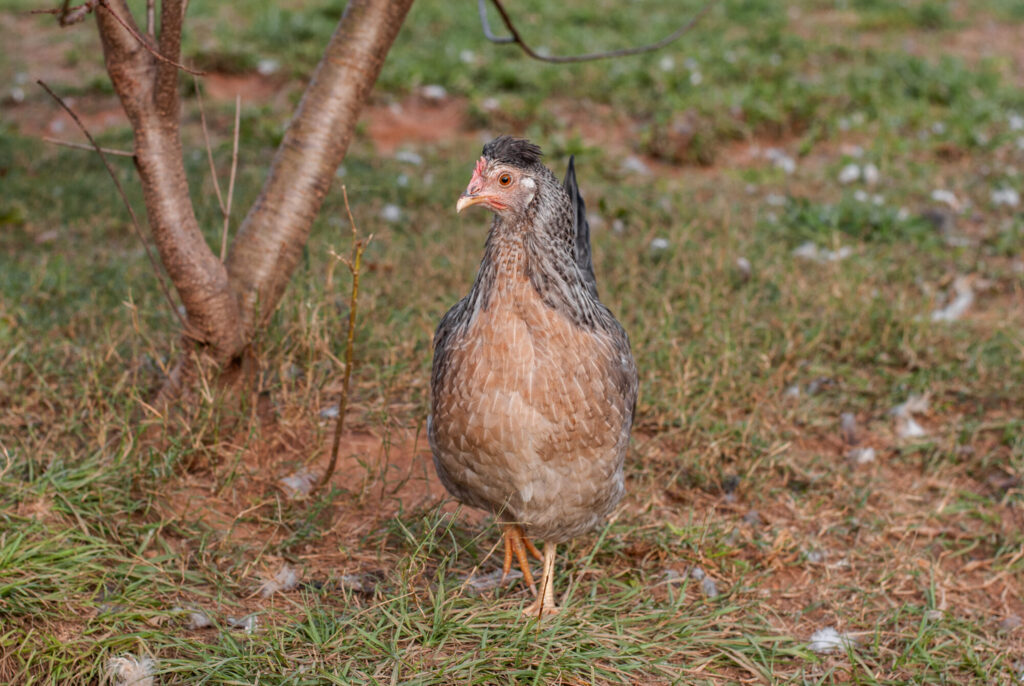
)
(270, 240)
(148, 89)
(517, 38)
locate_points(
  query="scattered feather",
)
(409, 157)
(1006, 196)
(300, 483)
(248, 623)
(810, 251)
(329, 412)
(360, 583)
(753, 518)
(957, 307)
(914, 404)
(870, 174)
(434, 92)
(391, 213)
(268, 66)
(861, 455)
(744, 267)
(1016, 122)
(849, 173)
(659, 244)
(467, 56)
(128, 670)
(666, 63)
(792, 391)
(781, 160)
(816, 557)
(829, 640)
(946, 198)
(819, 383)
(286, 579)
(635, 165)
(197, 619)
(697, 574)
(709, 587)
(906, 425)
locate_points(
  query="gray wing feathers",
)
(583, 258)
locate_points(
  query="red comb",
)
(481, 164)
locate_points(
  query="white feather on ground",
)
(906, 425)
(300, 483)
(958, 306)
(810, 251)
(286, 579)
(128, 670)
(829, 640)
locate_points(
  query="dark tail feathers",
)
(583, 258)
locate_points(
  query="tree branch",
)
(132, 29)
(199, 277)
(90, 148)
(624, 52)
(67, 15)
(124, 198)
(270, 240)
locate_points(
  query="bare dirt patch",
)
(245, 502)
(414, 120)
(253, 88)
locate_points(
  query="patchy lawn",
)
(807, 216)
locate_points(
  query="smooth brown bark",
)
(227, 303)
(269, 243)
(149, 96)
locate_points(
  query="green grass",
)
(115, 523)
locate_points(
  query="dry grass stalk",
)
(354, 263)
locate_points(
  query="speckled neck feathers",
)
(540, 246)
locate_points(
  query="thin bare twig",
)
(485, 23)
(517, 38)
(124, 198)
(82, 146)
(144, 43)
(231, 179)
(209, 150)
(67, 15)
(353, 263)
(150, 18)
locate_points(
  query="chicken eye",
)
(505, 179)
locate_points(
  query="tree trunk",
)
(269, 243)
(149, 94)
(227, 303)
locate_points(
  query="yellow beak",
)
(467, 201)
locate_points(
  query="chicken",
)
(533, 388)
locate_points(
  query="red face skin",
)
(499, 187)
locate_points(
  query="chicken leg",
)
(517, 544)
(544, 604)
